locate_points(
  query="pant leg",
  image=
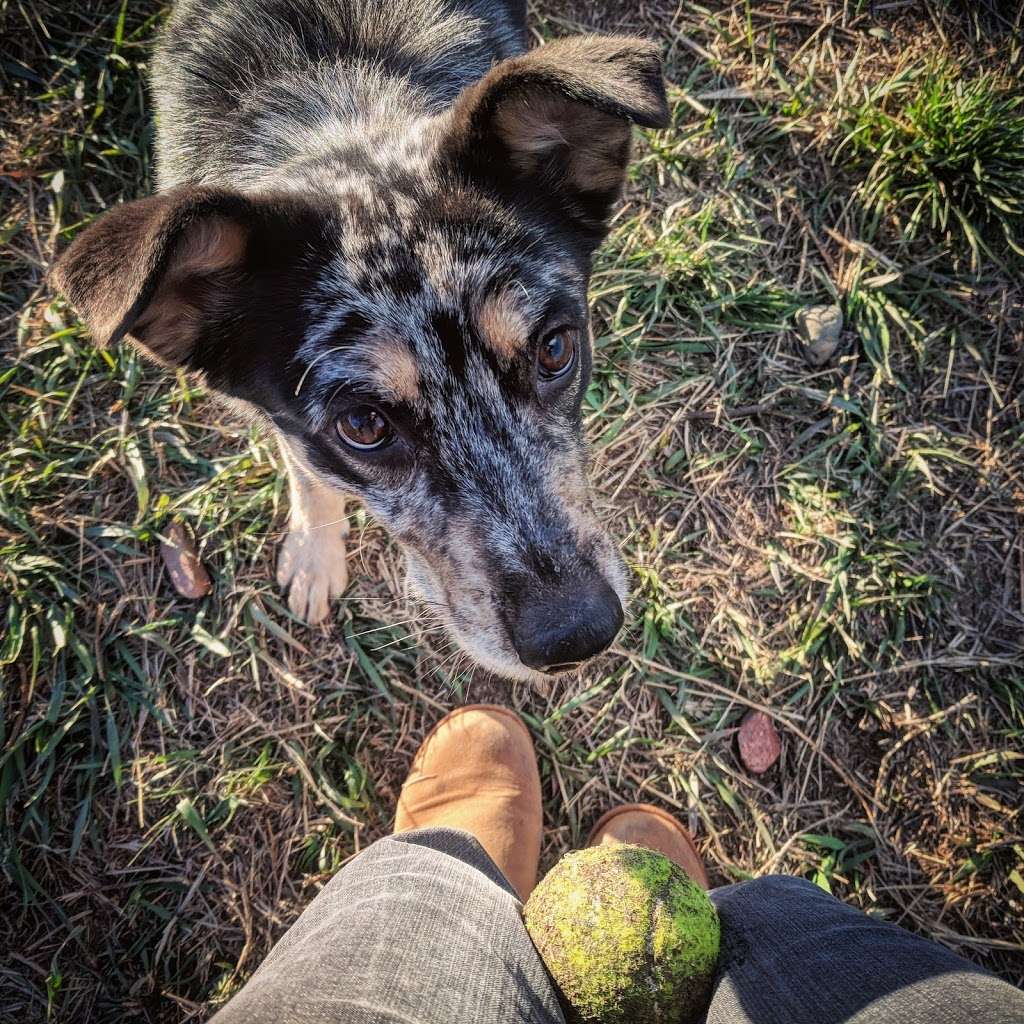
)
(421, 928)
(792, 954)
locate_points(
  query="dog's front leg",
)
(312, 565)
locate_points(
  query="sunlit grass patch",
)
(943, 150)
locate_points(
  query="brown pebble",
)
(178, 550)
(759, 742)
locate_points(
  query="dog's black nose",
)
(567, 626)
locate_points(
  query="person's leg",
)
(421, 928)
(424, 927)
(792, 954)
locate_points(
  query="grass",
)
(839, 546)
(944, 151)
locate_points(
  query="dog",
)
(374, 230)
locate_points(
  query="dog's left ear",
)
(556, 121)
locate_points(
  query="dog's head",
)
(412, 312)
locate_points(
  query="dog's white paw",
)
(313, 567)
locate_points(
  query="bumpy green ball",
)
(627, 935)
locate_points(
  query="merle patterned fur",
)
(393, 205)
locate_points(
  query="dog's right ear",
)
(157, 269)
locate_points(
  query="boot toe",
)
(475, 736)
(645, 825)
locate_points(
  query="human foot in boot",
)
(477, 771)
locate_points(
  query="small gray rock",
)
(821, 331)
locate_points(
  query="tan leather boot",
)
(645, 825)
(477, 771)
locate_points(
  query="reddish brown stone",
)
(759, 742)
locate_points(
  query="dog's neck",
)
(288, 106)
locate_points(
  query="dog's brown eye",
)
(364, 428)
(556, 353)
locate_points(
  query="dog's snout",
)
(567, 626)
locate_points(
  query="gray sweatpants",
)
(422, 928)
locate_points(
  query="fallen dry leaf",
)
(759, 742)
(178, 550)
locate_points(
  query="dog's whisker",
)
(313, 362)
(455, 660)
(447, 651)
(456, 671)
(451, 657)
(391, 643)
(333, 522)
(337, 391)
(387, 625)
